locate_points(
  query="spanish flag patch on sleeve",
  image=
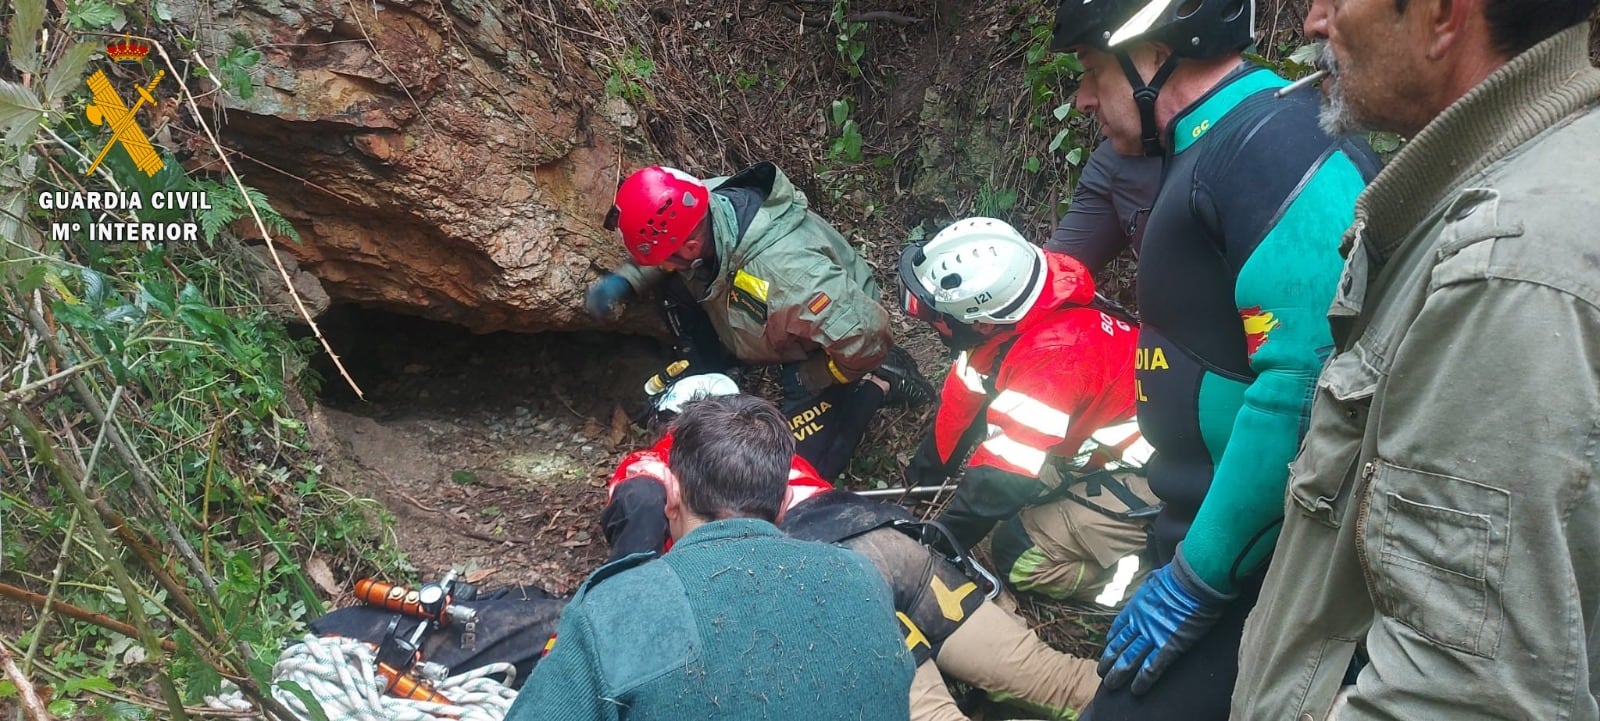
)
(818, 303)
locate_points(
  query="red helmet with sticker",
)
(656, 210)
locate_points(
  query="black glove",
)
(794, 389)
(925, 468)
(985, 497)
(603, 297)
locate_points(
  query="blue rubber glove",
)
(602, 298)
(1165, 617)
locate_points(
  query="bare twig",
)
(77, 613)
(30, 698)
(416, 502)
(503, 541)
(55, 585)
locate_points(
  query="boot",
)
(907, 386)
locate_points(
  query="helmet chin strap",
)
(1144, 95)
(962, 336)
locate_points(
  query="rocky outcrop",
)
(435, 161)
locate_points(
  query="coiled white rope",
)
(340, 674)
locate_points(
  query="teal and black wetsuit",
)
(1240, 260)
(1241, 256)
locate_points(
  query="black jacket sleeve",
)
(1108, 207)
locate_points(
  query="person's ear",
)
(674, 507)
(1449, 24)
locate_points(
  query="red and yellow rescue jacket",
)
(1058, 384)
(804, 482)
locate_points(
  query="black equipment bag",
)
(513, 625)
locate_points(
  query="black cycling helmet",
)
(1089, 22)
(1192, 28)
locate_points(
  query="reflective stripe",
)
(1117, 589)
(970, 378)
(1031, 412)
(1029, 459)
(1140, 22)
(1138, 450)
(1139, 453)
(1115, 435)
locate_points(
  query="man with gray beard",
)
(1440, 551)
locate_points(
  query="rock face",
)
(434, 161)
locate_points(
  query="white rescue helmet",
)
(705, 385)
(975, 270)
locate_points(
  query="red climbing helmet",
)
(656, 210)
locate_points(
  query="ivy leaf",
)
(25, 24)
(1060, 138)
(93, 683)
(20, 112)
(92, 14)
(1062, 111)
(1305, 54)
(1384, 143)
(68, 71)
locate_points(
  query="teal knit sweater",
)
(736, 622)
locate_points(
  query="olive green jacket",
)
(788, 287)
(1443, 512)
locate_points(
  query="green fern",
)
(228, 205)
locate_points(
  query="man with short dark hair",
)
(944, 615)
(738, 620)
(1440, 552)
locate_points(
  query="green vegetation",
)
(848, 42)
(155, 469)
(629, 74)
(846, 148)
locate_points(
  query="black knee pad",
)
(1007, 544)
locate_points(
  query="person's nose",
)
(1085, 99)
(1317, 19)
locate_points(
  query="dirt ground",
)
(492, 451)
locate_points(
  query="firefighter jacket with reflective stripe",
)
(1035, 392)
(804, 482)
(786, 286)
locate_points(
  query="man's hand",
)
(605, 295)
(1171, 611)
